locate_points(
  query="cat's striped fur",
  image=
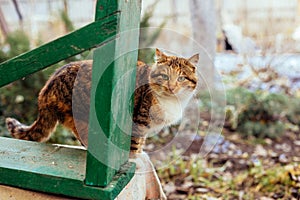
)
(162, 92)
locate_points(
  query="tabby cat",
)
(162, 92)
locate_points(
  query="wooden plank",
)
(37, 158)
(105, 8)
(112, 132)
(54, 169)
(69, 45)
(107, 157)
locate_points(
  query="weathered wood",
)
(112, 131)
(54, 169)
(102, 171)
(69, 45)
(106, 8)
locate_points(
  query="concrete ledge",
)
(11, 193)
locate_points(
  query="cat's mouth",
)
(169, 92)
(172, 90)
(177, 93)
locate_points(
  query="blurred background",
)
(250, 49)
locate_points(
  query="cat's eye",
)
(181, 78)
(165, 77)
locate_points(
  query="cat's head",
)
(173, 76)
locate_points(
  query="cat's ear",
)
(194, 59)
(159, 55)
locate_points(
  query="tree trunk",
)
(203, 18)
(3, 24)
(17, 8)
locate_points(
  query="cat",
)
(162, 92)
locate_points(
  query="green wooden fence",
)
(76, 172)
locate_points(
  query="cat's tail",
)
(39, 131)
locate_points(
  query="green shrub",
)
(293, 115)
(258, 113)
(254, 113)
(261, 129)
(18, 43)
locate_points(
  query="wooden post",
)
(112, 133)
(102, 171)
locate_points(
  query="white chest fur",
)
(173, 109)
(171, 113)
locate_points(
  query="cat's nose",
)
(172, 88)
